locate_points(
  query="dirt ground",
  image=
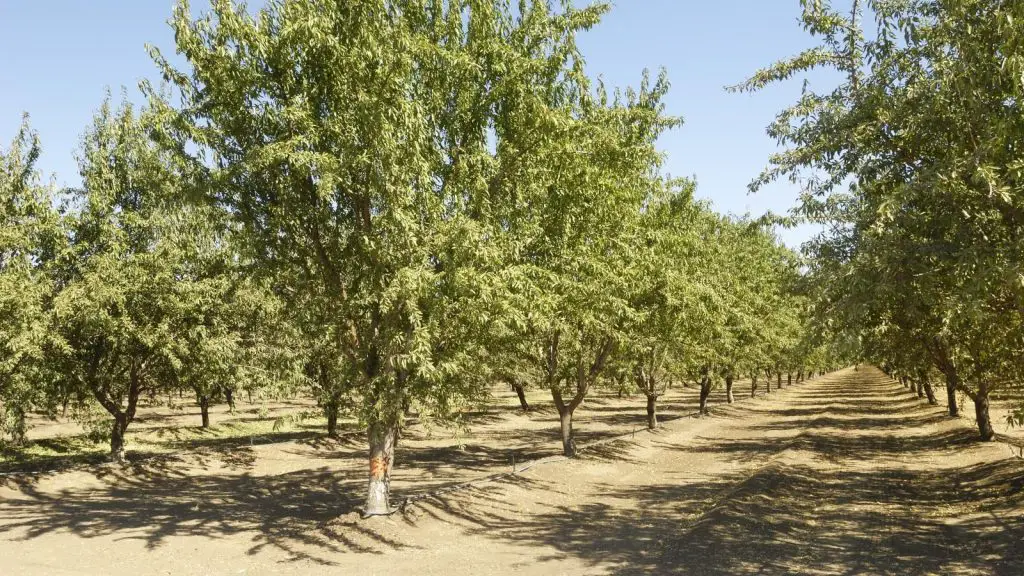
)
(843, 474)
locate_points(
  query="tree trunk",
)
(768, 384)
(522, 396)
(920, 388)
(927, 385)
(117, 438)
(705, 391)
(568, 439)
(753, 384)
(652, 416)
(799, 376)
(728, 389)
(229, 397)
(778, 380)
(952, 380)
(381, 438)
(981, 413)
(331, 411)
(789, 379)
(204, 410)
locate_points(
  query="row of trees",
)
(387, 206)
(914, 164)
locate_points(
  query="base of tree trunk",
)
(381, 438)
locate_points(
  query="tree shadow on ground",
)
(157, 501)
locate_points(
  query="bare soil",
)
(844, 474)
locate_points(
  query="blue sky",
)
(60, 56)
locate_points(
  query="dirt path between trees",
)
(844, 474)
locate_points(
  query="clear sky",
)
(60, 55)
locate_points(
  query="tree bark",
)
(331, 411)
(920, 388)
(518, 387)
(568, 438)
(705, 391)
(204, 410)
(117, 438)
(728, 389)
(952, 381)
(229, 397)
(981, 403)
(381, 436)
(768, 384)
(753, 384)
(778, 380)
(652, 416)
(927, 385)
(789, 379)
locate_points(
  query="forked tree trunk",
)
(981, 403)
(521, 392)
(381, 438)
(728, 389)
(204, 410)
(652, 416)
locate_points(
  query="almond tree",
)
(29, 235)
(373, 154)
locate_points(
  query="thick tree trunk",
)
(204, 410)
(920, 388)
(568, 439)
(652, 416)
(789, 379)
(728, 389)
(229, 397)
(522, 396)
(981, 402)
(117, 438)
(768, 384)
(381, 438)
(753, 385)
(778, 380)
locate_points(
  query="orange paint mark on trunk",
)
(378, 467)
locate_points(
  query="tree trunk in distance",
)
(204, 410)
(705, 391)
(951, 382)
(381, 437)
(981, 403)
(522, 396)
(331, 411)
(652, 416)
